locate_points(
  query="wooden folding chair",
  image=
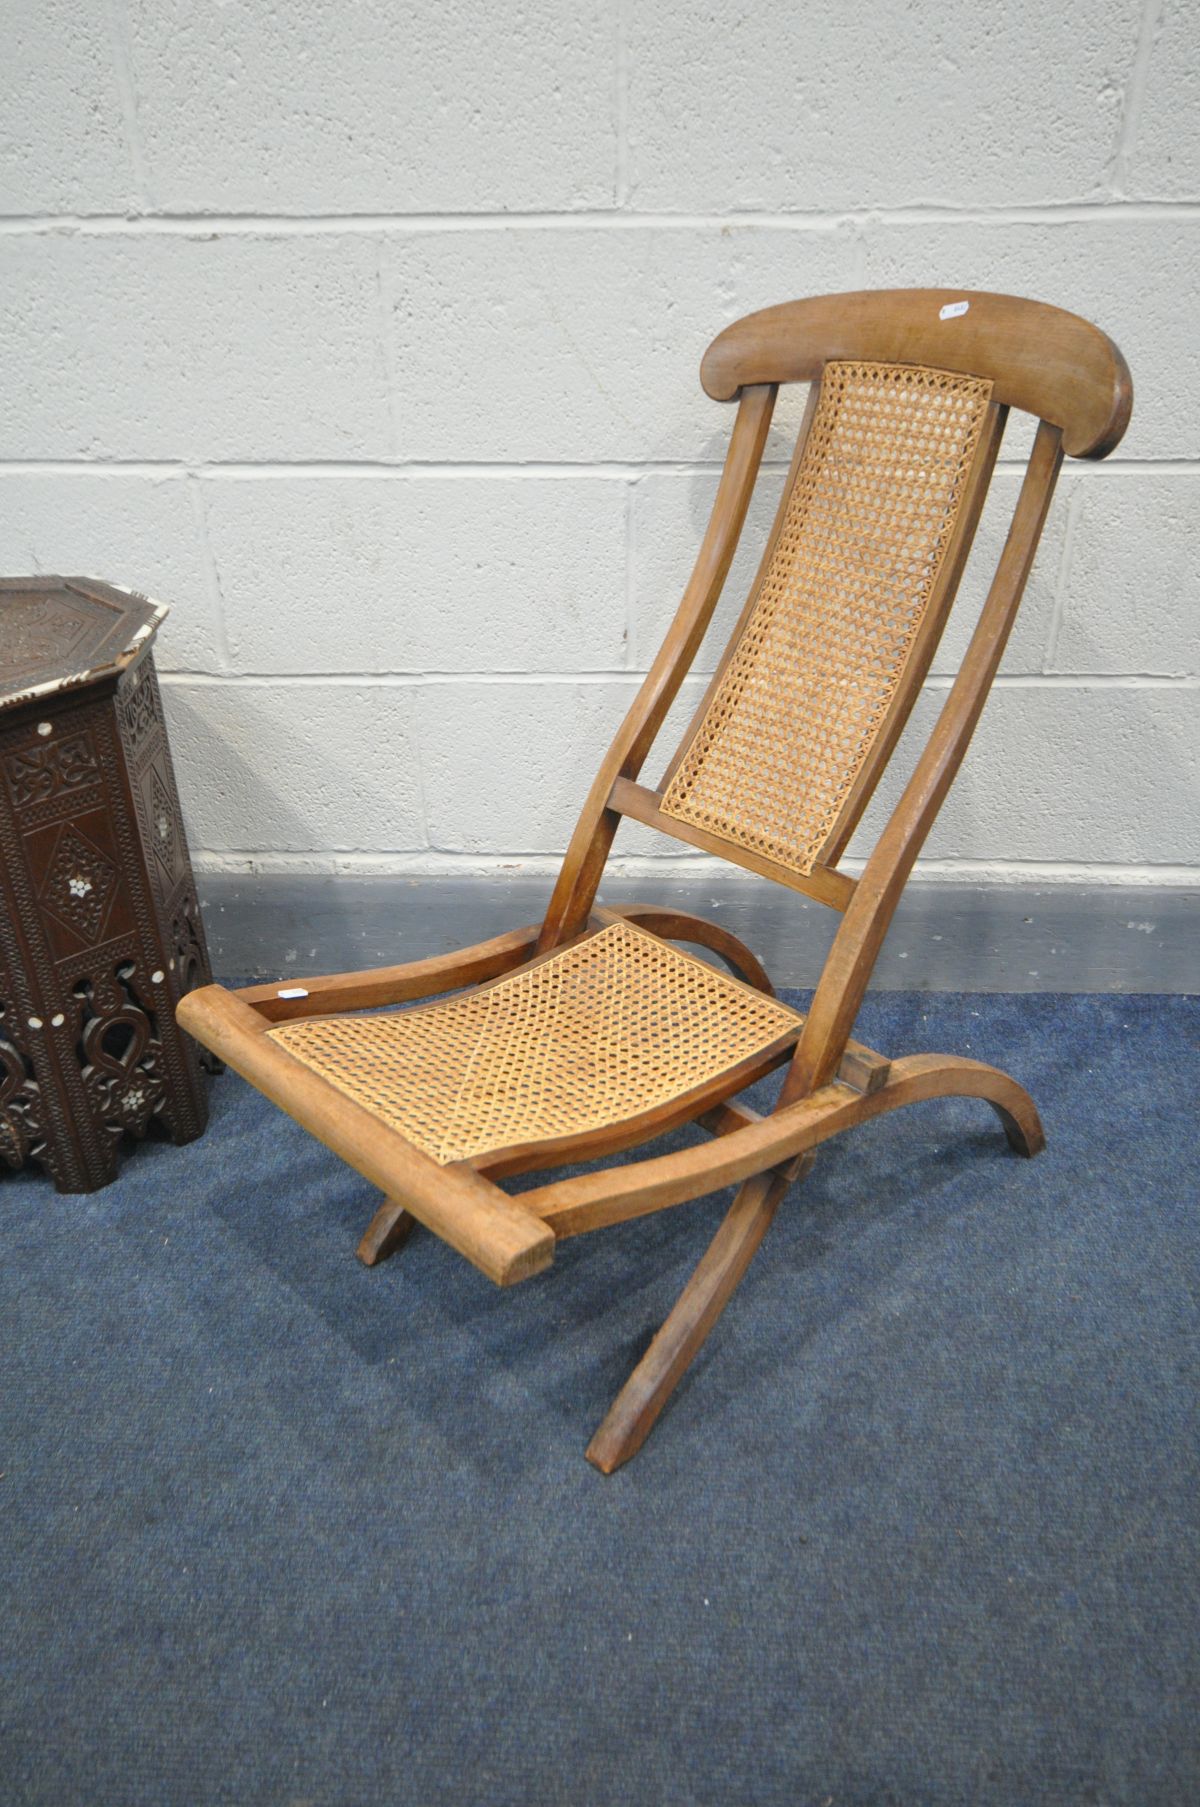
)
(592, 1032)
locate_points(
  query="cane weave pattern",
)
(802, 701)
(603, 1031)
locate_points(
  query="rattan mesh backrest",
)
(784, 744)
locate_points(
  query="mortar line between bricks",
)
(401, 680)
(212, 574)
(610, 219)
(127, 90)
(418, 773)
(859, 254)
(633, 637)
(604, 470)
(1135, 88)
(621, 103)
(387, 351)
(1074, 503)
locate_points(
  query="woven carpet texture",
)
(918, 1527)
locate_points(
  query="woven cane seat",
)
(795, 716)
(602, 1032)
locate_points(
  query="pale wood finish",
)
(928, 639)
(852, 957)
(755, 590)
(534, 1157)
(377, 986)
(626, 1131)
(575, 891)
(633, 1413)
(498, 1235)
(872, 403)
(1046, 362)
(589, 1201)
(643, 805)
(1038, 359)
(680, 925)
(389, 1229)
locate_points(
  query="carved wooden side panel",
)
(23, 1133)
(101, 933)
(160, 822)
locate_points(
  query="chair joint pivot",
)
(863, 1070)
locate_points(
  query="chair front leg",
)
(632, 1415)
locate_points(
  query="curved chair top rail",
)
(1040, 359)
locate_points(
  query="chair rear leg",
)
(388, 1230)
(1019, 1115)
(633, 1412)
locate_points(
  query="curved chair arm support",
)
(289, 999)
(681, 925)
(592, 1200)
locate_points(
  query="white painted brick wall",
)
(63, 144)
(874, 102)
(420, 574)
(197, 349)
(289, 768)
(368, 337)
(373, 107)
(1132, 275)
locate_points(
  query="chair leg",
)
(636, 1407)
(388, 1230)
(1019, 1115)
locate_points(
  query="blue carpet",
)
(919, 1527)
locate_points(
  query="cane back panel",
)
(788, 732)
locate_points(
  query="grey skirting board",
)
(946, 937)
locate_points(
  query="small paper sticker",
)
(292, 991)
(953, 309)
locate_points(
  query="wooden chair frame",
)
(1039, 359)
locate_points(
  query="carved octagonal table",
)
(100, 931)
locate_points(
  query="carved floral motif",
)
(78, 885)
(139, 707)
(122, 1051)
(36, 630)
(22, 1132)
(163, 834)
(39, 773)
